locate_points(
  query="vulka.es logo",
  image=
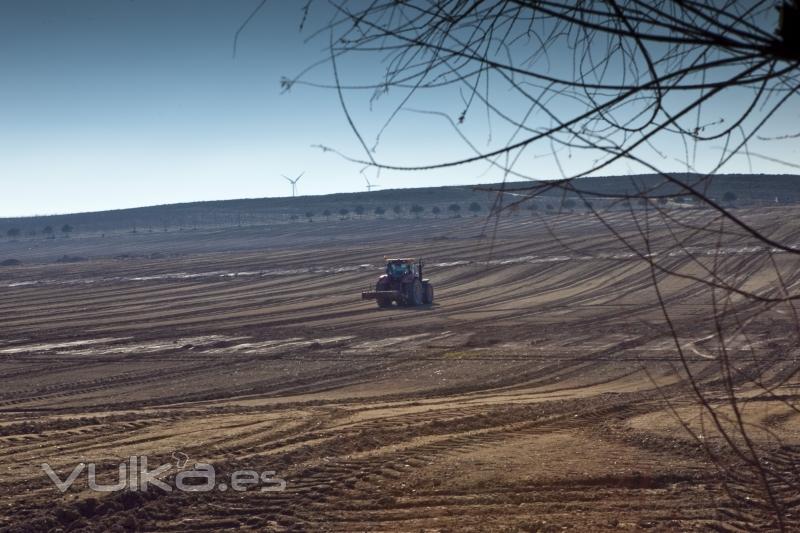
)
(135, 475)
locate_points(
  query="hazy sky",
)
(120, 103)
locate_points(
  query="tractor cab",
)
(402, 268)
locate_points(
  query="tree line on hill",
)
(359, 211)
(343, 213)
(433, 202)
(48, 232)
(399, 211)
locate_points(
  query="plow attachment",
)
(374, 295)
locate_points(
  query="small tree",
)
(13, 233)
(729, 197)
(66, 229)
(310, 216)
(293, 218)
(436, 210)
(569, 203)
(474, 208)
(359, 210)
(533, 207)
(343, 213)
(455, 209)
(398, 210)
(48, 232)
(379, 211)
(417, 210)
(327, 214)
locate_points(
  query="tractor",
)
(402, 284)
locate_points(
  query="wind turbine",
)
(293, 182)
(370, 186)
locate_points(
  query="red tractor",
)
(402, 284)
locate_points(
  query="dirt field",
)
(538, 394)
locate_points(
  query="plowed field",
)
(538, 393)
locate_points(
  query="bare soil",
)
(539, 393)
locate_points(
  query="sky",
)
(121, 103)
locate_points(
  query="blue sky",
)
(118, 103)
(121, 103)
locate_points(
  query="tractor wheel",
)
(427, 297)
(382, 300)
(417, 294)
